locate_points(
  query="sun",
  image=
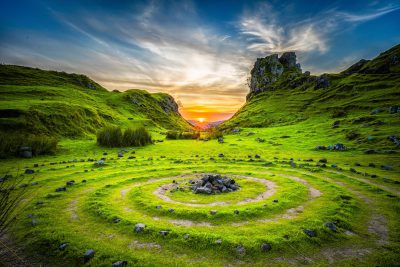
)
(201, 119)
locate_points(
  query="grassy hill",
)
(37, 101)
(358, 106)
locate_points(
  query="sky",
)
(201, 52)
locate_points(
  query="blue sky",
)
(200, 52)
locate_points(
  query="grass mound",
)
(112, 136)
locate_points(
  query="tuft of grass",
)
(182, 135)
(40, 144)
(112, 136)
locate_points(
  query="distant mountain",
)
(205, 125)
(38, 101)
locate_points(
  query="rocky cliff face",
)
(269, 69)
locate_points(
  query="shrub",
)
(112, 136)
(182, 135)
(136, 137)
(40, 145)
(214, 133)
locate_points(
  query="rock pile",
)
(213, 184)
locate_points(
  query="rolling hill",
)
(35, 101)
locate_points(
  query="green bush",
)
(182, 135)
(40, 145)
(214, 134)
(136, 137)
(112, 136)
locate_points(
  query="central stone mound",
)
(213, 184)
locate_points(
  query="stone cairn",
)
(213, 184)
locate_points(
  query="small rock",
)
(266, 247)
(60, 189)
(89, 254)
(29, 171)
(310, 233)
(331, 226)
(120, 264)
(83, 181)
(236, 212)
(218, 241)
(357, 164)
(63, 246)
(139, 227)
(353, 170)
(164, 233)
(220, 155)
(257, 156)
(213, 212)
(70, 183)
(158, 207)
(240, 250)
(276, 200)
(186, 236)
(116, 220)
(23, 185)
(171, 210)
(386, 167)
(120, 155)
(323, 160)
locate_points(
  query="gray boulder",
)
(139, 227)
(89, 254)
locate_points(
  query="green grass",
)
(102, 208)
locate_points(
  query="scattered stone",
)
(23, 185)
(394, 109)
(83, 181)
(186, 236)
(339, 147)
(322, 82)
(240, 250)
(220, 155)
(336, 124)
(131, 157)
(35, 165)
(164, 233)
(158, 207)
(25, 152)
(63, 246)
(100, 163)
(236, 212)
(34, 222)
(34, 183)
(213, 212)
(353, 170)
(266, 247)
(260, 140)
(218, 241)
(323, 160)
(394, 139)
(116, 220)
(139, 227)
(60, 189)
(120, 155)
(89, 254)
(120, 264)
(331, 226)
(357, 164)
(320, 147)
(310, 233)
(276, 200)
(171, 210)
(334, 165)
(212, 184)
(39, 202)
(370, 151)
(386, 167)
(70, 183)
(29, 171)
(257, 156)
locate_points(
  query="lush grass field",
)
(102, 212)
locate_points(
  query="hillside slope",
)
(360, 103)
(56, 103)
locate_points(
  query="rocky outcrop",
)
(269, 69)
(169, 105)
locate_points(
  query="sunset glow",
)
(201, 119)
